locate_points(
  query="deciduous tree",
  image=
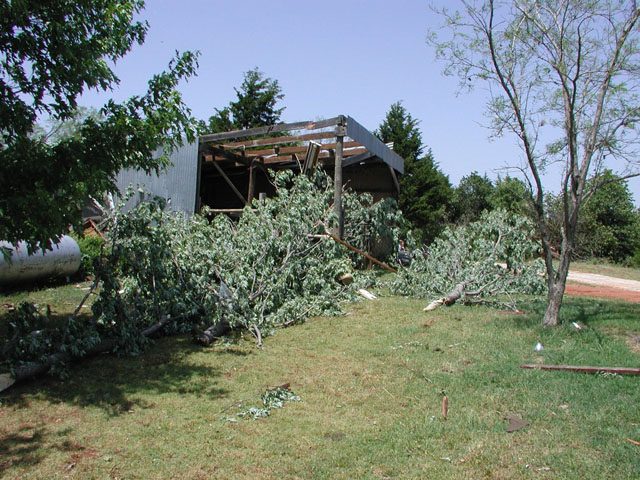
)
(563, 77)
(471, 197)
(50, 53)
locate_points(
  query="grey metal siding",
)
(177, 184)
(374, 145)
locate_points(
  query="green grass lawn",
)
(371, 385)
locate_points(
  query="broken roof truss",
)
(286, 145)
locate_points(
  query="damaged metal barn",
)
(226, 171)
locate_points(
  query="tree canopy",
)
(51, 53)
(609, 224)
(472, 196)
(425, 192)
(563, 77)
(255, 105)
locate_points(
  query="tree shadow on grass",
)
(115, 383)
(22, 447)
(583, 311)
(29, 444)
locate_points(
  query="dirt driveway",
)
(594, 285)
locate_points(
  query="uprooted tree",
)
(488, 261)
(165, 273)
(563, 77)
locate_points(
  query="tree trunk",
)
(556, 284)
(554, 302)
(214, 332)
(31, 369)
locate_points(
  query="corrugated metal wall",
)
(178, 184)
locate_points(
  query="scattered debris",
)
(335, 436)
(272, 398)
(633, 441)
(446, 459)
(445, 407)
(516, 423)
(405, 345)
(543, 469)
(576, 325)
(635, 338)
(538, 347)
(366, 294)
(617, 370)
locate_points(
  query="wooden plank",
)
(302, 149)
(229, 156)
(323, 155)
(618, 370)
(279, 140)
(229, 182)
(281, 127)
(226, 210)
(311, 158)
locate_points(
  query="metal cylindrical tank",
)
(63, 259)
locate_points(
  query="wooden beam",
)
(281, 127)
(337, 187)
(325, 154)
(311, 158)
(278, 140)
(302, 149)
(618, 370)
(252, 182)
(230, 183)
(226, 210)
(218, 152)
(366, 255)
(395, 179)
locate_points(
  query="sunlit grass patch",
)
(371, 385)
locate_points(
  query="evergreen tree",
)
(401, 128)
(255, 105)
(425, 192)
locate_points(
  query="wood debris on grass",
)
(516, 423)
(586, 369)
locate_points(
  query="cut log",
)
(346, 279)
(214, 332)
(448, 299)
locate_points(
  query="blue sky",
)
(351, 57)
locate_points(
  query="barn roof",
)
(285, 144)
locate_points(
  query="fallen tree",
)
(167, 274)
(488, 261)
